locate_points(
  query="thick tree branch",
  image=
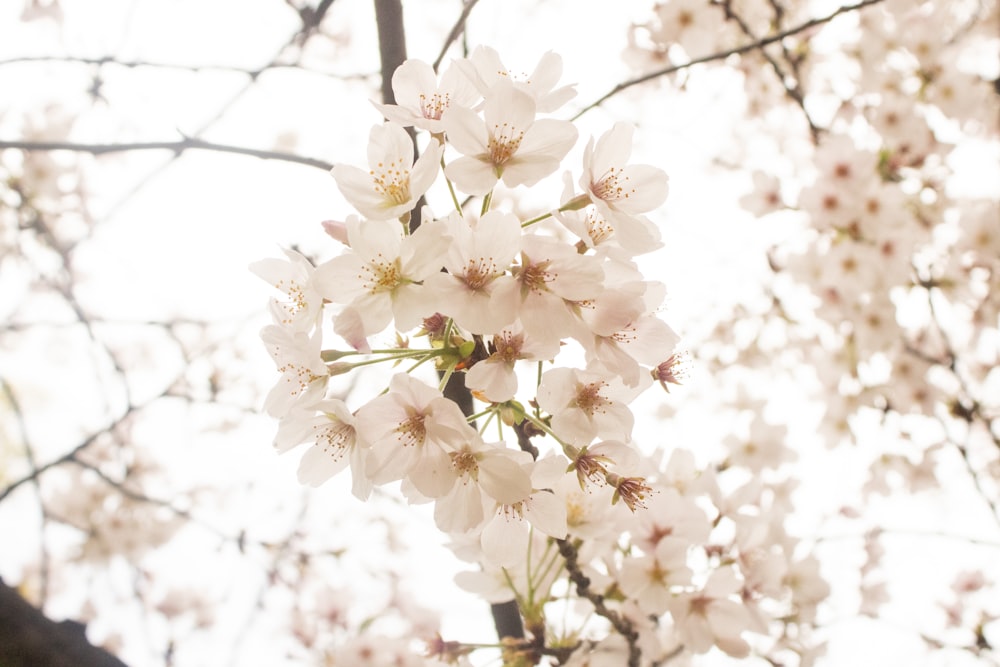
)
(722, 55)
(29, 639)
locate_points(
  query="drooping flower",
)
(507, 144)
(393, 183)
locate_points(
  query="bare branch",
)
(456, 30)
(178, 147)
(722, 55)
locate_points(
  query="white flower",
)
(650, 579)
(335, 445)
(551, 278)
(511, 145)
(506, 535)
(303, 373)
(409, 426)
(421, 101)
(484, 474)
(585, 405)
(477, 263)
(380, 277)
(485, 69)
(494, 377)
(711, 618)
(393, 183)
(303, 304)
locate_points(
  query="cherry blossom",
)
(393, 183)
(507, 144)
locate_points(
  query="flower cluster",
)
(554, 330)
(889, 286)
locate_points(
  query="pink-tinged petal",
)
(547, 71)
(613, 149)
(389, 143)
(546, 511)
(466, 132)
(412, 81)
(495, 379)
(648, 188)
(337, 279)
(357, 187)
(389, 461)
(505, 541)
(410, 306)
(547, 471)
(472, 175)
(292, 432)
(461, 510)
(549, 137)
(350, 326)
(498, 235)
(557, 389)
(432, 475)
(421, 254)
(319, 464)
(507, 107)
(503, 479)
(361, 484)
(528, 169)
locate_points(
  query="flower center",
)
(380, 274)
(534, 275)
(508, 346)
(432, 107)
(589, 399)
(465, 463)
(612, 186)
(335, 438)
(392, 181)
(296, 302)
(504, 142)
(479, 272)
(412, 432)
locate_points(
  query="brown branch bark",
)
(29, 639)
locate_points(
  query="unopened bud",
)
(337, 230)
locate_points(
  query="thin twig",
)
(456, 30)
(722, 55)
(178, 147)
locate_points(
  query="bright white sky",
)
(174, 239)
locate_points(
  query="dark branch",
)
(29, 639)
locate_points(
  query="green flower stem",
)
(451, 189)
(539, 218)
